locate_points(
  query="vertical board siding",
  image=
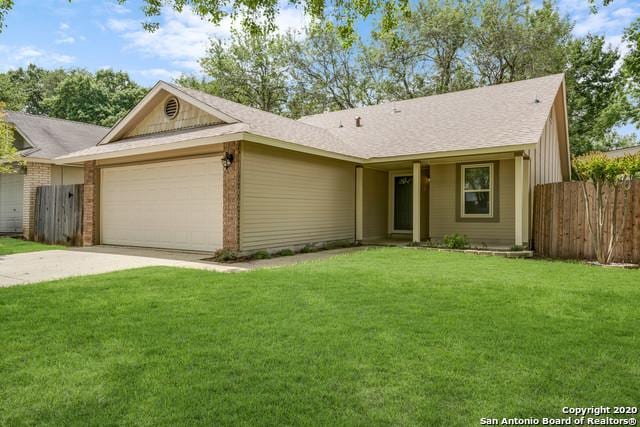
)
(58, 214)
(561, 227)
(442, 207)
(290, 199)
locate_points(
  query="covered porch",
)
(483, 197)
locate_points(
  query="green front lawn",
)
(379, 337)
(10, 245)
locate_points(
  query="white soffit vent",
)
(171, 108)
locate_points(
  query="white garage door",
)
(11, 187)
(174, 205)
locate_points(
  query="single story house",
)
(40, 140)
(187, 170)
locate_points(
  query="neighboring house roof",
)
(50, 137)
(502, 117)
(620, 152)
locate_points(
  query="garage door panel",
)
(174, 204)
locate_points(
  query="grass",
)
(379, 337)
(10, 245)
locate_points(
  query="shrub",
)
(609, 177)
(261, 255)
(225, 255)
(338, 244)
(517, 248)
(284, 252)
(308, 249)
(455, 241)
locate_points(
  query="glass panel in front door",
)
(403, 203)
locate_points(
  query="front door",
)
(402, 203)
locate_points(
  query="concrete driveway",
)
(32, 267)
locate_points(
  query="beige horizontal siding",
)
(290, 199)
(66, 175)
(442, 203)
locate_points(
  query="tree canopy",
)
(100, 98)
(259, 15)
(8, 152)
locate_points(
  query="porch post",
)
(519, 167)
(359, 202)
(417, 180)
(526, 194)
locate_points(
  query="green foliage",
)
(307, 249)
(258, 16)
(631, 70)
(517, 248)
(25, 89)
(102, 98)
(599, 168)
(284, 252)
(250, 69)
(10, 245)
(326, 74)
(455, 241)
(514, 41)
(9, 157)
(594, 95)
(225, 255)
(261, 255)
(603, 179)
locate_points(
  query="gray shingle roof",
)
(621, 152)
(493, 116)
(52, 137)
(500, 116)
(274, 126)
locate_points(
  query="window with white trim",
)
(477, 191)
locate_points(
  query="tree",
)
(513, 41)
(609, 177)
(443, 27)
(258, 15)
(100, 99)
(630, 71)
(595, 100)
(328, 74)
(25, 89)
(251, 69)
(8, 153)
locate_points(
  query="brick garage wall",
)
(90, 213)
(37, 174)
(231, 199)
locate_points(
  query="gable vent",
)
(171, 108)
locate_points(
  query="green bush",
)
(225, 255)
(455, 241)
(261, 255)
(284, 252)
(338, 244)
(308, 249)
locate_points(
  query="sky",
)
(95, 34)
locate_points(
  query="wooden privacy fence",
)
(561, 228)
(58, 214)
